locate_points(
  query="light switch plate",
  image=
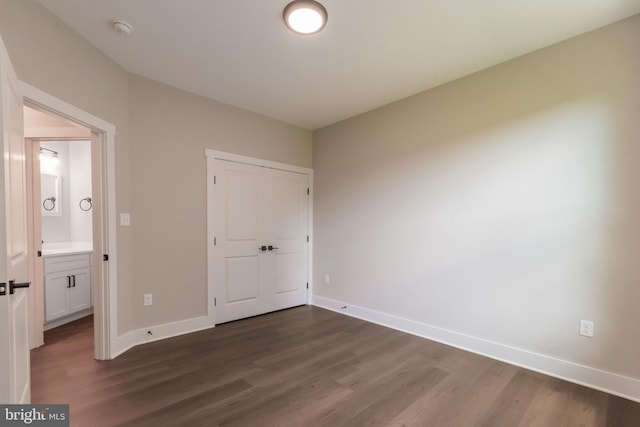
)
(125, 219)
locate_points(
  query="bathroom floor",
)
(79, 332)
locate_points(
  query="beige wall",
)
(51, 57)
(170, 131)
(162, 133)
(503, 205)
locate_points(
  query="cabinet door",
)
(80, 291)
(55, 288)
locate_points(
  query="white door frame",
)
(34, 228)
(106, 326)
(221, 155)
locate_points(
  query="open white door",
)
(14, 262)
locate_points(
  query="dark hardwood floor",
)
(305, 367)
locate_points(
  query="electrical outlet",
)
(148, 299)
(326, 279)
(586, 328)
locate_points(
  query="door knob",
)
(262, 248)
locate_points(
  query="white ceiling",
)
(371, 52)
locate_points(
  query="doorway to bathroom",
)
(66, 233)
(61, 122)
(60, 182)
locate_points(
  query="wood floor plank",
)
(561, 404)
(306, 367)
(464, 396)
(514, 400)
(398, 394)
(174, 413)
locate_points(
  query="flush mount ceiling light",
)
(305, 16)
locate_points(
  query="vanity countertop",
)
(66, 248)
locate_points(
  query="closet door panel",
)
(237, 257)
(289, 235)
(260, 247)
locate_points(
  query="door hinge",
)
(307, 191)
(307, 285)
(39, 254)
(105, 257)
(214, 241)
(214, 180)
(307, 238)
(215, 302)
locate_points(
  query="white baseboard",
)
(598, 379)
(159, 332)
(122, 343)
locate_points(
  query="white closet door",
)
(239, 223)
(260, 251)
(289, 231)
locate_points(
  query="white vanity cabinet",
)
(67, 285)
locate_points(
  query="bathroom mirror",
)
(50, 195)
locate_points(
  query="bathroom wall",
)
(57, 228)
(80, 188)
(74, 169)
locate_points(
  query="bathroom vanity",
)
(67, 283)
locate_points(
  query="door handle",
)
(13, 286)
(271, 248)
(262, 248)
(74, 281)
(68, 281)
